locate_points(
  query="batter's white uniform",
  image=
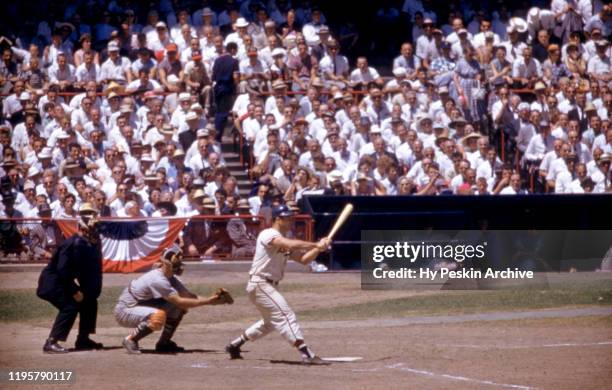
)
(267, 270)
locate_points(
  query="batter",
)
(271, 253)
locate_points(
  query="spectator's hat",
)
(207, 202)
(269, 24)
(523, 106)
(329, 114)
(8, 164)
(427, 22)
(25, 96)
(29, 185)
(184, 96)
(399, 71)
(274, 127)
(324, 30)
(348, 96)
(146, 157)
(191, 116)
(207, 12)
(602, 43)
(375, 129)
(151, 176)
(113, 86)
(443, 136)
(338, 96)
(136, 144)
(33, 172)
(167, 129)
(198, 182)
(423, 118)
(517, 24)
(442, 90)
(334, 176)
(168, 206)
(468, 137)
(544, 123)
(87, 208)
(282, 211)
(46, 152)
(196, 107)
(396, 119)
(171, 47)
(278, 85)
(437, 126)
(606, 157)
(243, 204)
(178, 153)
(196, 55)
(63, 135)
(462, 31)
(489, 35)
(202, 133)
(437, 31)
(278, 52)
(590, 107)
(161, 24)
(572, 45)
(301, 121)
(539, 86)
(210, 126)
(112, 46)
(241, 22)
(362, 176)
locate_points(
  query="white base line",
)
(527, 346)
(400, 366)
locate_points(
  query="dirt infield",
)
(555, 348)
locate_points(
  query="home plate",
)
(342, 359)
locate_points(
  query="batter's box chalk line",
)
(401, 367)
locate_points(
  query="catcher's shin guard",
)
(169, 329)
(141, 331)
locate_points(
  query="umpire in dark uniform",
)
(72, 282)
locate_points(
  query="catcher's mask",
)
(174, 256)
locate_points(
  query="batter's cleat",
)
(315, 361)
(51, 346)
(168, 347)
(233, 351)
(131, 346)
(86, 344)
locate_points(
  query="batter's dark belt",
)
(272, 282)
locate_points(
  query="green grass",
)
(21, 305)
(462, 302)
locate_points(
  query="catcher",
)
(157, 301)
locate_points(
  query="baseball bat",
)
(348, 209)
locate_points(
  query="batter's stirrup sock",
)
(169, 329)
(306, 352)
(238, 341)
(141, 331)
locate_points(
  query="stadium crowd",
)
(126, 108)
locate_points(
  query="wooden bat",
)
(348, 209)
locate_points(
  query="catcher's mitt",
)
(224, 296)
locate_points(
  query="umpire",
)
(72, 282)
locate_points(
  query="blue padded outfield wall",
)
(543, 212)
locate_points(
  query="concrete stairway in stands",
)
(232, 161)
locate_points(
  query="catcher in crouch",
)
(157, 301)
(271, 253)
